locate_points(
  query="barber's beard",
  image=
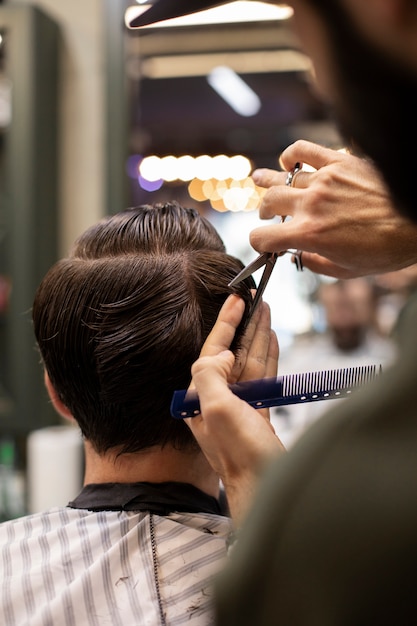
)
(376, 107)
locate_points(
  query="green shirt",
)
(332, 536)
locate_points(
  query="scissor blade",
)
(250, 269)
(270, 264)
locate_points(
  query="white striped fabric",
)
(74, 567)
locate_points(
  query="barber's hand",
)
(236, 439)
(343, 218)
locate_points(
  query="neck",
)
(156, 465)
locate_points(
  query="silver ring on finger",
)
(290, 180)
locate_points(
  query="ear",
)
(58, 405)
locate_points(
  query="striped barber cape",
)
(73, 566)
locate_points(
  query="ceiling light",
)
(233, 12)
(233, 89)
(254, 62)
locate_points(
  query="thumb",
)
(209, 377)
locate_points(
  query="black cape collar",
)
(158, 498)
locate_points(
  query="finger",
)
(264, 177)
(271, 368)
(278, 237)
(307, 152)
(223, 331)
(241, 355)
(257, 354)
(209, 376)
(270, 179)
(280, 200)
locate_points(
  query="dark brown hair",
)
(120, 322)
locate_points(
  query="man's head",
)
(121, 320)
(365, 59)
(350, 310)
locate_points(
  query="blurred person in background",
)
(346, 334)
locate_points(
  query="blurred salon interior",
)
(96, 117)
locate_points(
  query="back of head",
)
(121, 320)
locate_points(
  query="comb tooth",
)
(333, 381)
(313, 381)
(316, 382)
(287, 385)
(293, 383)
(364, 377)
(300, 383)
(345, 376)
(349, 377)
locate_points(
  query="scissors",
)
(267, 259)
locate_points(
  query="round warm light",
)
(150, 168)
(203, 167)
(186, 167)
(220, 167)
(195, 189)
(239, 167)
(169, 168)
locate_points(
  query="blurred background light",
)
(150, 185)
(232, 12)
(233, 89)
(222, 180)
